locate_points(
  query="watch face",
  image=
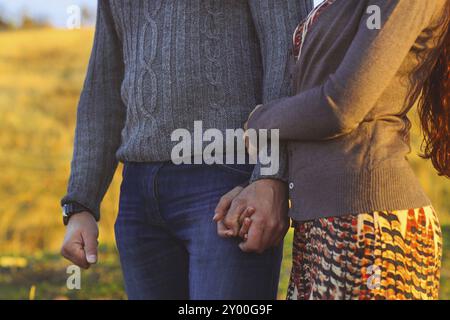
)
(70, 209)
(66, 213)
(65, 210)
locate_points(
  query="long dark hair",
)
(434, 102)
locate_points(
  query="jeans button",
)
(291, 185)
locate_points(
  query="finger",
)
(73, 251)
(253, 242)
(223, 231)
(90, 246)
(231, 220)
(243, 233)
(247, 214)
(253, 111)
(245, 136)
(251, 146)
(245, 221)
(225, 203)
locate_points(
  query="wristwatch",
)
(71, 208)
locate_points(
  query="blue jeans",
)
(168, 242)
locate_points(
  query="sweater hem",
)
(325, 192)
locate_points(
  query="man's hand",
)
(265, 202)
(80, 243)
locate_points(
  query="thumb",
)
(90, 247)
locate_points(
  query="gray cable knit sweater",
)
(160, 65)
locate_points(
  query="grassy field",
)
(41, 76)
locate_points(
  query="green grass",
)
(47, 272)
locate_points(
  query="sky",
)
(54, 11)
(317, 2)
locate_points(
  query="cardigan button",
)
(291, 185)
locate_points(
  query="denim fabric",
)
(168, 243)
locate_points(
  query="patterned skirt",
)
(380, 255)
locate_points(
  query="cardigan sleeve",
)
(100, 118)
(275, 22)
(341, 103)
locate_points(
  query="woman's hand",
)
(246, 140)
(251, 114)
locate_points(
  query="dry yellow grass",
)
(42, 72)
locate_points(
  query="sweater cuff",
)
(281, 174)
(91, 207)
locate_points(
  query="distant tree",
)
(26, 22)
(87, 16)
(4, 23)
(29, 22)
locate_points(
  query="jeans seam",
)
(153, 215)
(155, 196)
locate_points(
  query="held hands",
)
(80, 243)
(258, 214)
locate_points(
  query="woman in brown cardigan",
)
(364, 229)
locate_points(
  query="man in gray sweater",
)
(158, 66)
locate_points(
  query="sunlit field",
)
(41, 75)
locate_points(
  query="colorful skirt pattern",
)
(380, 255)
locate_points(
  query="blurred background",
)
(43, 60)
